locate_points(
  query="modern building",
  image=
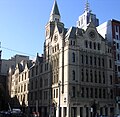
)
(110, 30)
(75, 75)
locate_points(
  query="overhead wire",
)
(16, 51)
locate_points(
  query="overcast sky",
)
(22, 22)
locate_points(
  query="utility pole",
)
(59, 99)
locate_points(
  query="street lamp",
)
(59, 82)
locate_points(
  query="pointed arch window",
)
(73, 57)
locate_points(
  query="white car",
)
(16, 111)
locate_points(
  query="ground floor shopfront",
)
(75, 110)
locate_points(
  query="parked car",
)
(5, 114)
(15, 110)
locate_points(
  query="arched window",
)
(91, 60)
(90, 45)
(86, 59)
(104, 77)
(98, 46)
(82, 77)
(110, 63)
(118, 56)
(73, 75)
(91, 76)
(86, 44)
(41, 82)
(94, 45)
(100, 77)
(73, 57)
(36, 82)
(82, 59)
(95, 75)
(111, 94)
(86, 75)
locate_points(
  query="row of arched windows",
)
(96, 93)
(92, 60)
(92, 45)
(87, 92)
(93, 76)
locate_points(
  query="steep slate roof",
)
(20, 67)
(60, 30)
(29, 64)
(73, 31)
(55, 9)
(39, 59)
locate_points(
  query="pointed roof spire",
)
(87, 6)
(55, 14)
(55, 10)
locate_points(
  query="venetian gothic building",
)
(75, 75)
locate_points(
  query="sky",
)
(22, 22)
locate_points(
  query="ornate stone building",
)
(74, 77)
